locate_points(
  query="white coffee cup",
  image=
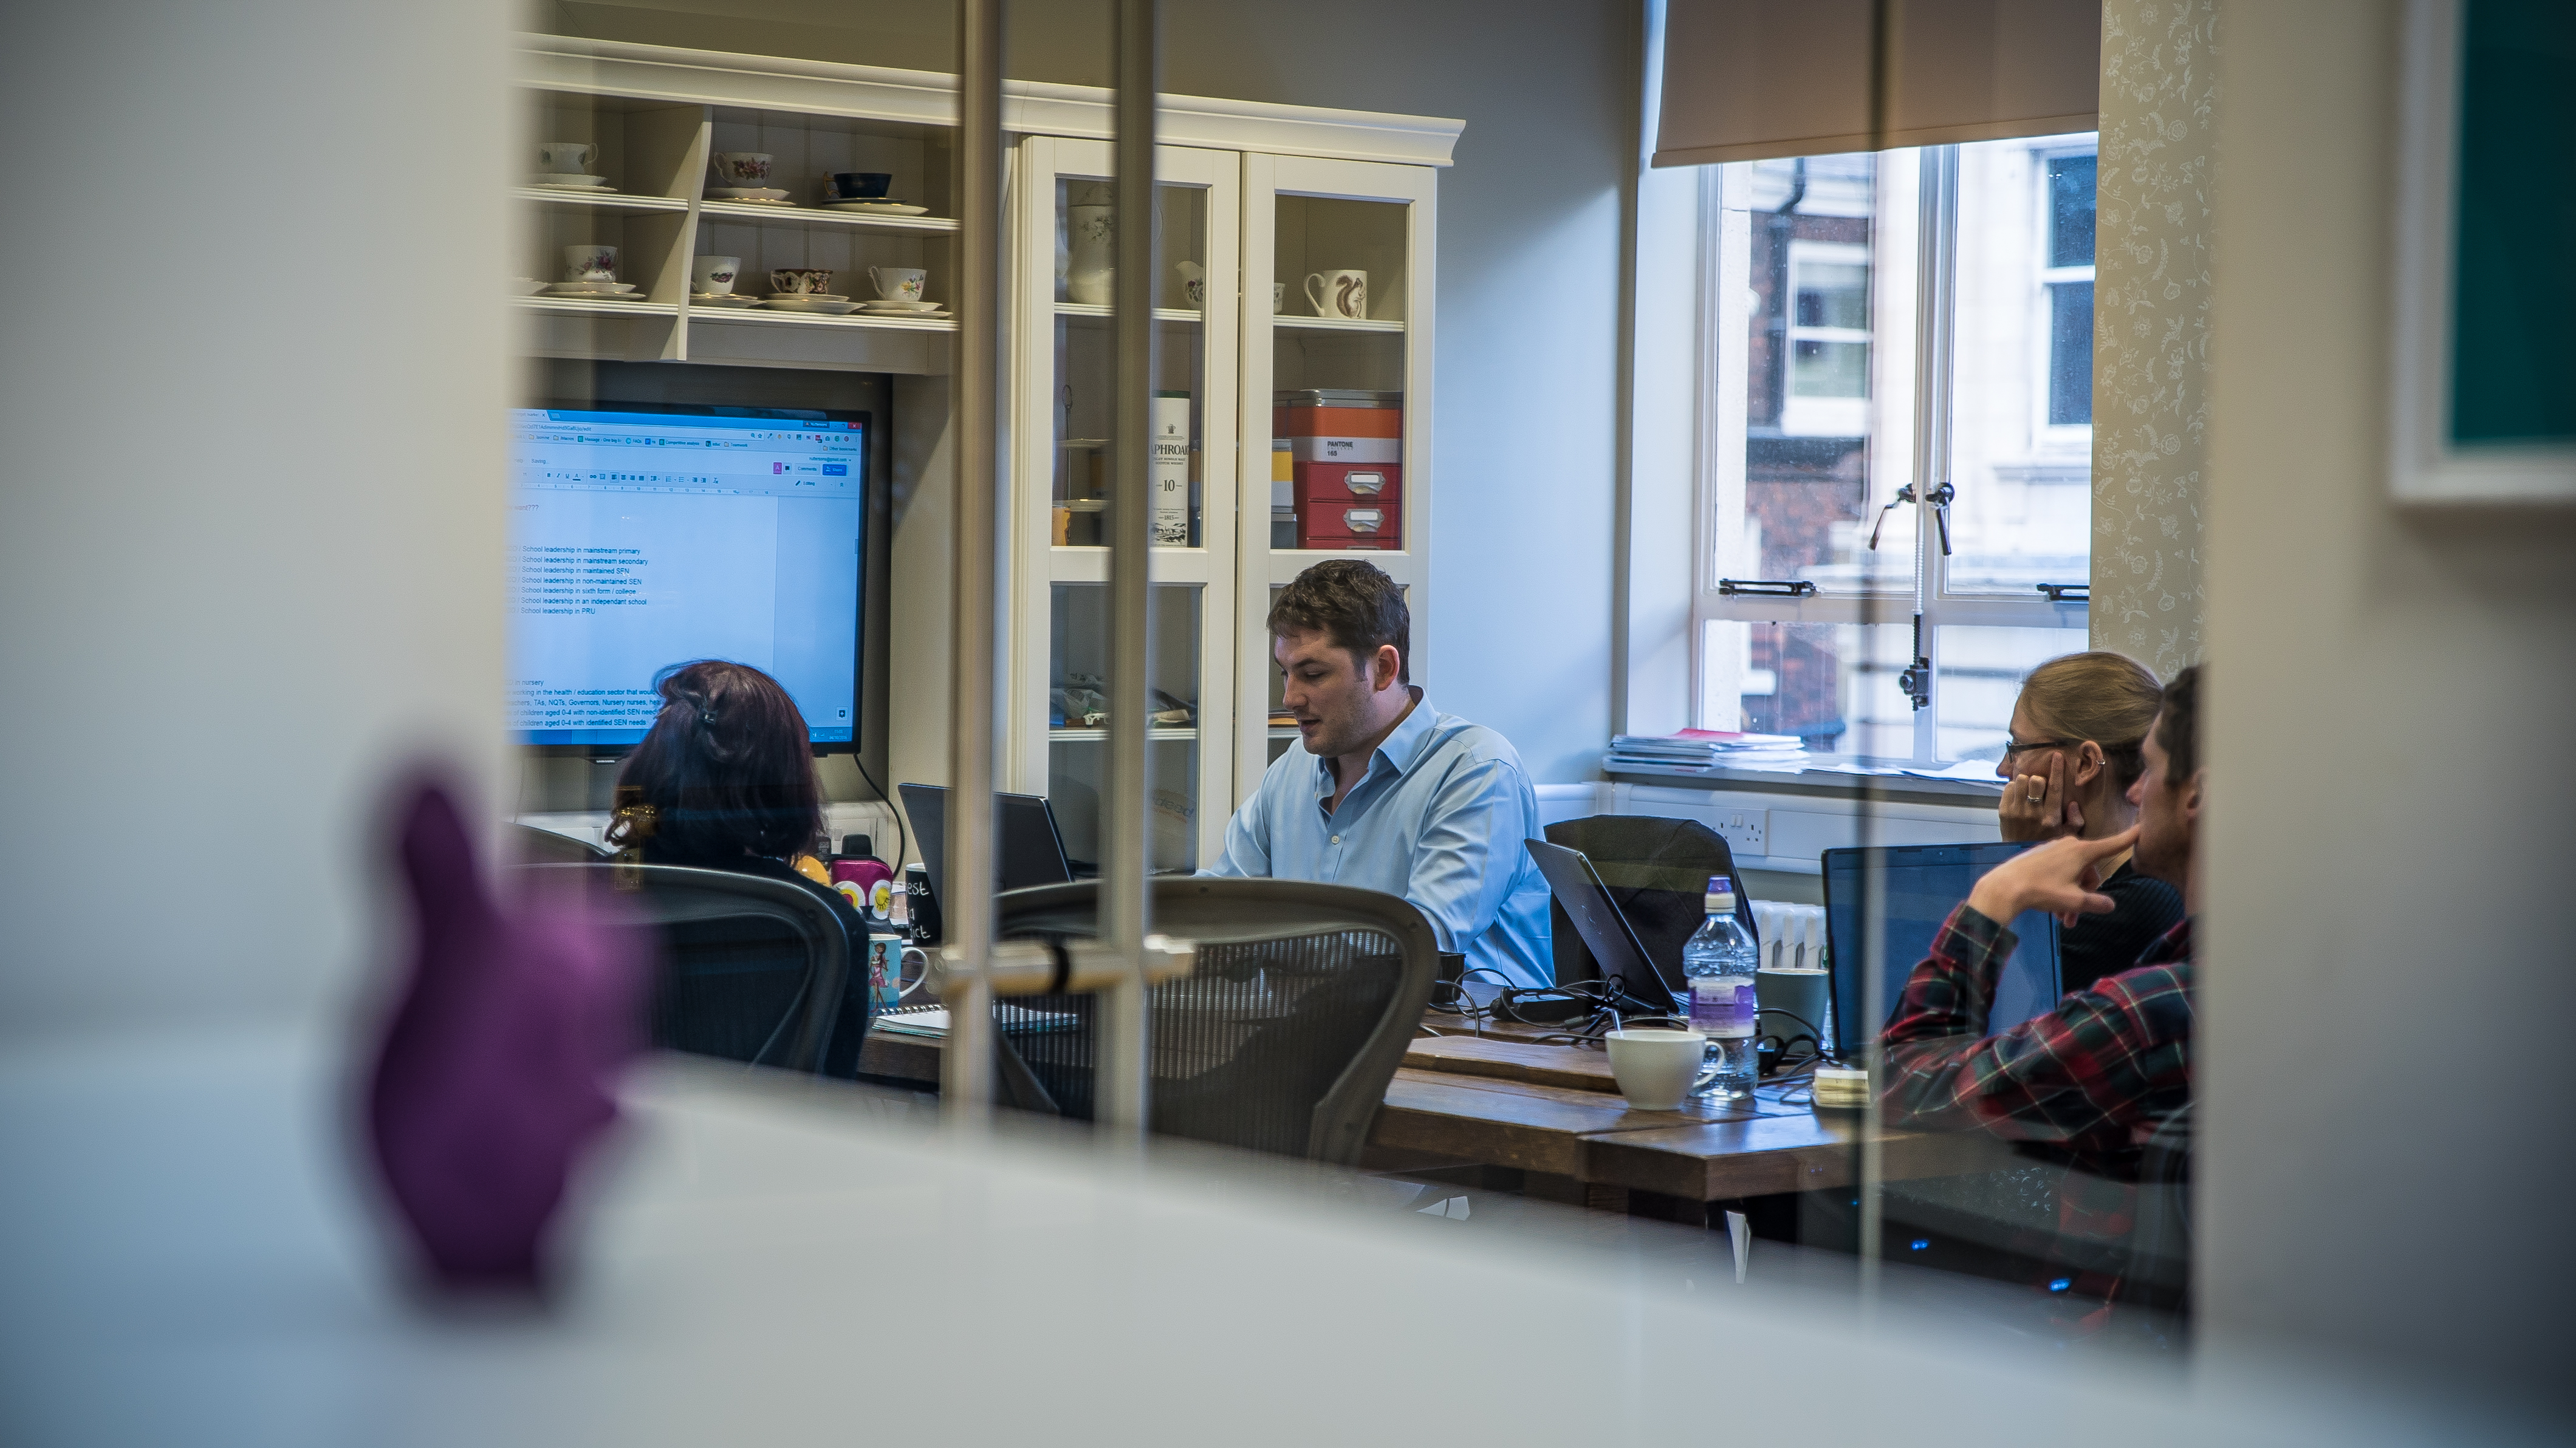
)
(1339, 294)
(742, 170)
(588, 263)
(898, 283)
(712, 276)
(1656, 1069)
(1278, 297)
(569, 158)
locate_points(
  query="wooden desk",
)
(1502, 1099)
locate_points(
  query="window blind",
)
(1748, 80)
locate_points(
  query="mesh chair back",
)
(1657, 869)
(1284, 1037)
(746, 968)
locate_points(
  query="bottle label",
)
(1722, 1006)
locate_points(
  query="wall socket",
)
(1745, 830)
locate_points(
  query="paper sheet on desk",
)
(932, 1021)
(1978, 771)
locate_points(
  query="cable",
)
(902, 841)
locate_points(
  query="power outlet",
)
(1745, 830)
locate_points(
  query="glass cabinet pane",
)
(1086, 361)
(1078, 719)
(1338, 374)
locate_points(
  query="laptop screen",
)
(1924, 883)
(1029, 850)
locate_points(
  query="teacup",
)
(569, 158)
(898, 283)
(587, 263)
(739, 169)
(1656, 1069)
(800, 281)
(712, 276)
(861, 185)
(1339, 294)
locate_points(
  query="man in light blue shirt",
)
(1383, 792)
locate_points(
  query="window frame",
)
(1718, 487)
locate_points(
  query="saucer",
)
(835, 306)
(590, 289)
(567, 179)
(879, 208)
(745, 193)
(893, 304)
(728, 299)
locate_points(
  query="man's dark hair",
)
(1352, 603)
(2178, 727)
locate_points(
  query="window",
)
(1896, 495)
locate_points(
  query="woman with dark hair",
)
(724, 780)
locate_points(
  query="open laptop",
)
(1030, 850)
(1605, 930)
(1923, 883)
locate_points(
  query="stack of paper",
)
(1699, 750)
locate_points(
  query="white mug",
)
(1278, 297)
(897, 283)
(588, 263)
(1339, 294)
(712, 276)
(565, 158)
(1656, 1069)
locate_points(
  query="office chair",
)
(1284, 1037)
(1657, 870)
(747, 968)
(533, 846)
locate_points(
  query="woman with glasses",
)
(2074, 752)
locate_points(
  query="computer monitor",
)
(1030, 851)
(645, 536)
(1923, 884)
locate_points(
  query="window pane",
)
(1824, 290)
(2070, 353)
(2021, 376)
(1834, 294)
(2070, 210)
(1979, 676)
(1830, 369)
(1832, 685)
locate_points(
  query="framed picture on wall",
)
(2484, 404)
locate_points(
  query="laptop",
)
(1606, 932)
(1030, 850)
(1923, 884)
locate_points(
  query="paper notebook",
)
(932, 1021)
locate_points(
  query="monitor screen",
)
(648, 537)
(1924, 883)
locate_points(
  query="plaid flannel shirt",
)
(2096, 1076)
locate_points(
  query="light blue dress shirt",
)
(1438, 819)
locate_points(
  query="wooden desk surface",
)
(1505, 1100)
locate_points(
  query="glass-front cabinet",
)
(1066, 228)
(1292, 380)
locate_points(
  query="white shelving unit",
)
(1249, 191)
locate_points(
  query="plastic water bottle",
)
(1719, 963)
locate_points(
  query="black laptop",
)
(1030, 851)
(1918, 887)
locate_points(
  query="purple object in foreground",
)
(499, 1059)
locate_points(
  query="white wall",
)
(250, 484)
(2387, 976)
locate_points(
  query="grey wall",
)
(1529, 246)
(251, 509)
(2385, 1171)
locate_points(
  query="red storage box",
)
(1351, 526)
(1317, 485)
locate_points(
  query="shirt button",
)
(1337, 839)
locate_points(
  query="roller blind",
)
(1747, 80)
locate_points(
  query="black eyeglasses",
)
(2012, 748)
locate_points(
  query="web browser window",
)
(644, 540)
